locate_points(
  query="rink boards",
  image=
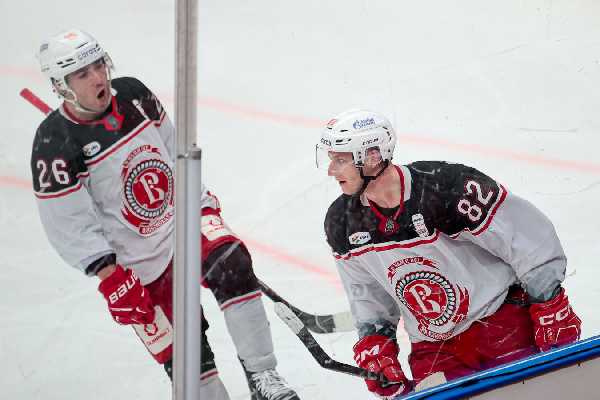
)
(572, 371)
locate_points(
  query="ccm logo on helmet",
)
(367, 142)
(326, 142)
(363, 123)
(87, 53)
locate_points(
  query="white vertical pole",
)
(186, 282)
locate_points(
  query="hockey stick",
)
(296, 325)
(317, 351)
(35, 101)
(340, 322)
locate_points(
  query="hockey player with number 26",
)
(473, 270)
(102, 168)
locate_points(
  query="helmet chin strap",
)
(368, 179)
(78, 106)
(75, 103)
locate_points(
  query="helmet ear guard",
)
(373, 159)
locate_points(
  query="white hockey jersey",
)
(446, 257)
(106, 186)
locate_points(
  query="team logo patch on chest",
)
(429, 295)
(431, 299)
(148, 190)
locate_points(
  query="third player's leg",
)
(228, 273)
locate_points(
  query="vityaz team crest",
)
(431, 298)
(148, 189)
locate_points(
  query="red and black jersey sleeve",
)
(57, 162)
(457, 197)
(148, 101)
(336, 224)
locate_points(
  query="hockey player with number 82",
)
(473, 271)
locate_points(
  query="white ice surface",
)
(509, 87)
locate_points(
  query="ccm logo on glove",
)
(371, 353)
(380, 354)
(555, 323)
(559, 316)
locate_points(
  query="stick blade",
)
(288, 317)
(344, 322)
(340, 322)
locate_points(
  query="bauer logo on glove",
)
(123, 289)
(129, 301)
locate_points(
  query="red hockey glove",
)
(128, 301)
(555, 323)
(379, 353)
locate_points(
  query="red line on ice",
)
(289, 259)
(317, 124)
(270, 251)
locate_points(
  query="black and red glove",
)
(128, 300)
(555, 323)
(380, 354)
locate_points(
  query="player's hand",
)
(380, 354)
(128, 301)
(555, 323)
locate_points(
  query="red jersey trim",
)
(118, 117)
(208, 374)
(240, 299)
(119, 144)
(385, 219)
(160, 120)
(218, 209)
(385, 247)
(60, 193)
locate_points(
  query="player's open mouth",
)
(102, 95)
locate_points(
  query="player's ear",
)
(57, 88)
(373, 157)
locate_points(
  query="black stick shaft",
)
(328, 363)
(297, 326)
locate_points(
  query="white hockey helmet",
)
(68, 51)
(356, 131)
